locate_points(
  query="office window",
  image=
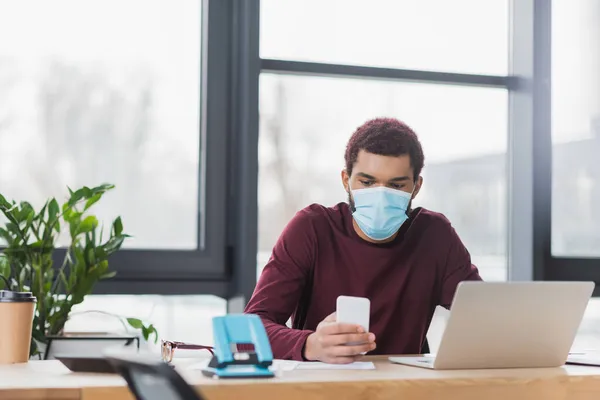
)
(576, 128)
(467, 36)
(305, 123)
(105, 91)
(575, 147)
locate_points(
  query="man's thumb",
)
(331, 317)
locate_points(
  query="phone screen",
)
(354, 310)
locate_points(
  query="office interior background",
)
(217, 120)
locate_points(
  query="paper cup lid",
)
(7, 296)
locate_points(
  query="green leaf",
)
(40, 215)
(63, 280)
(11, 210)
(78, 255)
(151, 330)
(7, 237)
(94, 199)
(13, 228)
(101, 253)
(37, 248)
(89, 255)
(108, 275)
(75, 197)
(4, 204)
(135, 323)
(146, 332)
(4, 271)
(118, 226)
(4, 265)
(23, 276)
(105, 187)
(30, 219)
(72, 279)
(113, 244)
(73, 218)
(53, 210)
(47, 287)
(92, 240)
(39, 218)
(26, 210)
(83, 288)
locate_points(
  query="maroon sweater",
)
(319, 256)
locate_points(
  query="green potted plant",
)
(30, 240)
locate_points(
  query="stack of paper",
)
(287, 365)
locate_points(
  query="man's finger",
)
(351, 351)
(331, 317)
(339, 328)
(336, 340)
(341, 360)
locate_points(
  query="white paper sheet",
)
(320, 365)
(278, 365)
(287, 365)
(284, 365)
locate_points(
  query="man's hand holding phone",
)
(337, 342)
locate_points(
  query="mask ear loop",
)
(412, 196)
(348, 190)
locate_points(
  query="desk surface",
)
(51, 380)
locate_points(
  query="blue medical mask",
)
(380, 211)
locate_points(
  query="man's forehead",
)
(382, 167)
(366, 157)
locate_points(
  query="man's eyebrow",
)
(396, 179)
(366, 176)
(400, 178)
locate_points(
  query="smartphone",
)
(353, 310)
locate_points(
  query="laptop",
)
(509, 325)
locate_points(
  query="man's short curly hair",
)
(386, 137)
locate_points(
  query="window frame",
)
(344, 71)
(546, 265)
(206, 269)
(529, 151)
(225, 264)
(225, 253)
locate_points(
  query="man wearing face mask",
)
(406, 261)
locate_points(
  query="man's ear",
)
(418, 185)
(346, 180)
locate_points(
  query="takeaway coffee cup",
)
(16, 320)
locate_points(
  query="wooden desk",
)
(51, 380)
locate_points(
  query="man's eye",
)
(366, 183)
(396, 186)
